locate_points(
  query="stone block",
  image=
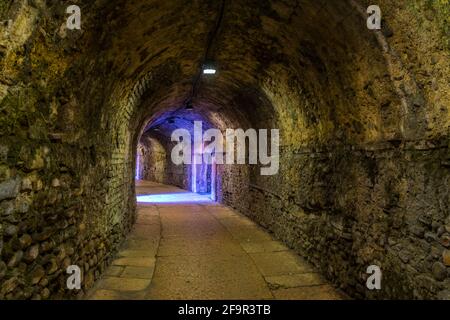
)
(446, 257)
(9, 189)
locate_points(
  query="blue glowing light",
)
(173, 198)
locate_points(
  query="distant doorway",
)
(203, 179)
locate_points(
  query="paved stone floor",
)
(198, 249)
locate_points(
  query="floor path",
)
(198, 249)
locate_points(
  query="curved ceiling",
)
(295, 65)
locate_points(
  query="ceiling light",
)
(209, 71)
(209, 68)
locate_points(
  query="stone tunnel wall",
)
(61, 191)
(176, 175)
(152, 160)
(378, 194)
(156, 164)
(386, 206)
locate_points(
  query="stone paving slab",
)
(221, 212)
(208, 277)
(142, 232)
(114, 271)
(143, 219)
(237, 222)
(295, 280)
(207, 290)
(124, 284)
(204, 251)
(249, 234)
(213, 266)
(178, 246)
(135, 262)
(145, 245)
(103, 294)
(323, 292)
(137, 272)
(263, 246)
(136, 253)
(280, 263)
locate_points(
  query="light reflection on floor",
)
(173, 198)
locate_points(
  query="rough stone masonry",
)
(364, 119)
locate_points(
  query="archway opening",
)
(167, 138)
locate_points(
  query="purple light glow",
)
(181, 197)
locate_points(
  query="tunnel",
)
(87, 122)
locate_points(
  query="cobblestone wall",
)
(387, 206)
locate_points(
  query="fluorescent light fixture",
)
(209, 71)
(209, 67)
